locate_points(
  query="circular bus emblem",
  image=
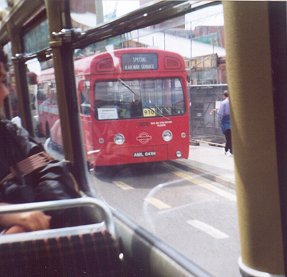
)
(144, 138)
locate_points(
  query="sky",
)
(3, 4)
(211, 16)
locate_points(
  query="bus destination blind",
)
(140, 61)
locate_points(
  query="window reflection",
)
(85, 104)
(11, 103)
(44, 107)
(90, 13)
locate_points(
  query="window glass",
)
(150, 94)
(89, 14)
(44, 107)
(4, 4)
(37, 38)
(138, 98)
(11, 105)
(85, 105)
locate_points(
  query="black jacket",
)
(52, 182)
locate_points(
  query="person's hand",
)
(14, 230)
(29, 221)
(33, 221)
(213, 111)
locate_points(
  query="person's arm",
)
(29, 221)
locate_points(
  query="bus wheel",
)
(47, 130)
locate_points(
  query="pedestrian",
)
(224, 117)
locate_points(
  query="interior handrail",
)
(105, 213)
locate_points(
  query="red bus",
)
(133, 106)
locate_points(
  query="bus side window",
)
(85, 107)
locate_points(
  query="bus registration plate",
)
(144, 154)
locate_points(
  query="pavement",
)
(210, 162)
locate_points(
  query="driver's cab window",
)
(85, 105)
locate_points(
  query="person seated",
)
(45, 181)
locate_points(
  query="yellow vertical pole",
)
(253, 133)
(21, 77)
(58, 13)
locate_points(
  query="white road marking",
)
(206, 185)
(157, 203)
(180, 207)
(208, 229)
(122, 185)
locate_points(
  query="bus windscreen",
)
(126, 99)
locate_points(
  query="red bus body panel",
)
(143, 142)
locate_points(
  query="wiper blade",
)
(154, 110)
(126, 86)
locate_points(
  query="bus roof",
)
(84, 66)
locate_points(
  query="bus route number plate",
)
(149, 112)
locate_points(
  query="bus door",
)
(86, 114)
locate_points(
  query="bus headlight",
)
(119, 139)
(167, 135)
(178, 154)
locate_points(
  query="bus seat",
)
(87, 250)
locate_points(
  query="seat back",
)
(87, 250)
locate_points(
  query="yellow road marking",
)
(122, 185)
(157, 203)
(206, 185)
